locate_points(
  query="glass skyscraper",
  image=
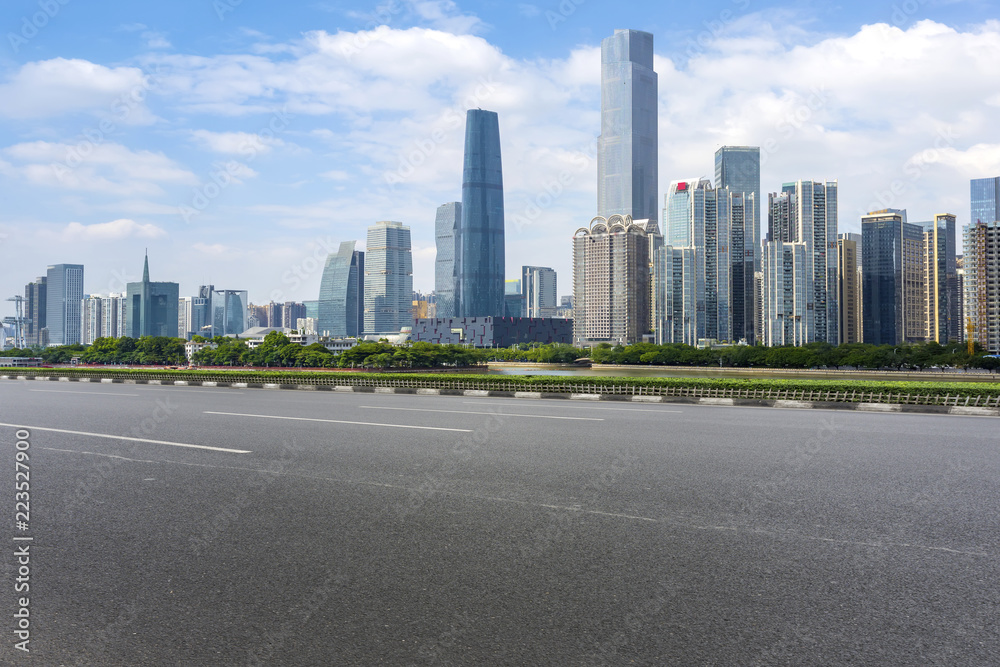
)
(985, 196)
(388, 275)
(738, 168)
(892, 278)
(151, 308)
(446, 226)
(63, 298)
(480, 259)
(627, 148)
(341, 305)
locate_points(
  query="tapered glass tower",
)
(341, 293)
(479, 262)
(627, 149)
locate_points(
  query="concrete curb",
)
(970, 411)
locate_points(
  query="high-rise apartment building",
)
(738, 168)
(446, 235)
(102, 316)
(341, 305)
(292, 312)
(893, 284)
(34, 312)
(981, 261)
(849, 287)
(538, 289)
(804, 212)
(942, 298)
(611, 282)
(627, 148)
(64, 294)
(480, 260)
(388, 296)
(151, 308)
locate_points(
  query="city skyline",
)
(161, 147)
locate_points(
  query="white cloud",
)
(53, 87)
(110, 231)
(237, 143)
(215, 249)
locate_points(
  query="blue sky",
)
(241, 142)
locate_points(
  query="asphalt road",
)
(366, 529)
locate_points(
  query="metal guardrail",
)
(576, 387)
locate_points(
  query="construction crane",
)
(18, 321)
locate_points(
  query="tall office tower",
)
(981, 261)
(941, 294)
(849, 287)
(114, 313)
(675, 296)
(513, 301)
(151, 307)
(229, 312)
(34, 311)
(480, 260)
(63, 295)
(960, 274)
(538, 287)
(611, 280)
(446, 229)
(185, 314)
(786, 283)
(292, 312)
(389, 278)
(200, 323)
(91, 316)
(341, 304)
(806, 212)
(985, 200)
(892, 279)
(738, 168)
(849, 293)
(714, 223)
(627, 148)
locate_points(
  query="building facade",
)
(984, 195)
(64, 294)
(981, 261)
(341, 304)
(611, 281)
(892, 282)
(388, 296)
(480, 260)
(539, 291)
(627, 148)
(738, 169)
(492, 331)
(447, 223)
(34, 312)
(151, 308)
(849, 287)
(942, 297)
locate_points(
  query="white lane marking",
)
(341, 421)
(534, 404)
(155, 387)
(88, 393)
(469, 412)
(123, 437)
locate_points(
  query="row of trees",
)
(278, 351)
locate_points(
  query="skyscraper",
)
(538, 288)
(611, 282)
(805, 212)
(627, 178)
(985, 199)
(388, 274)
(738, 168)
(34, 311)
(151, 308)
(892, 281)
(446, 228)
(849, 287)
(341, 305)
(942, 295)
(64, 294)
(480, 242)
(981, 261)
